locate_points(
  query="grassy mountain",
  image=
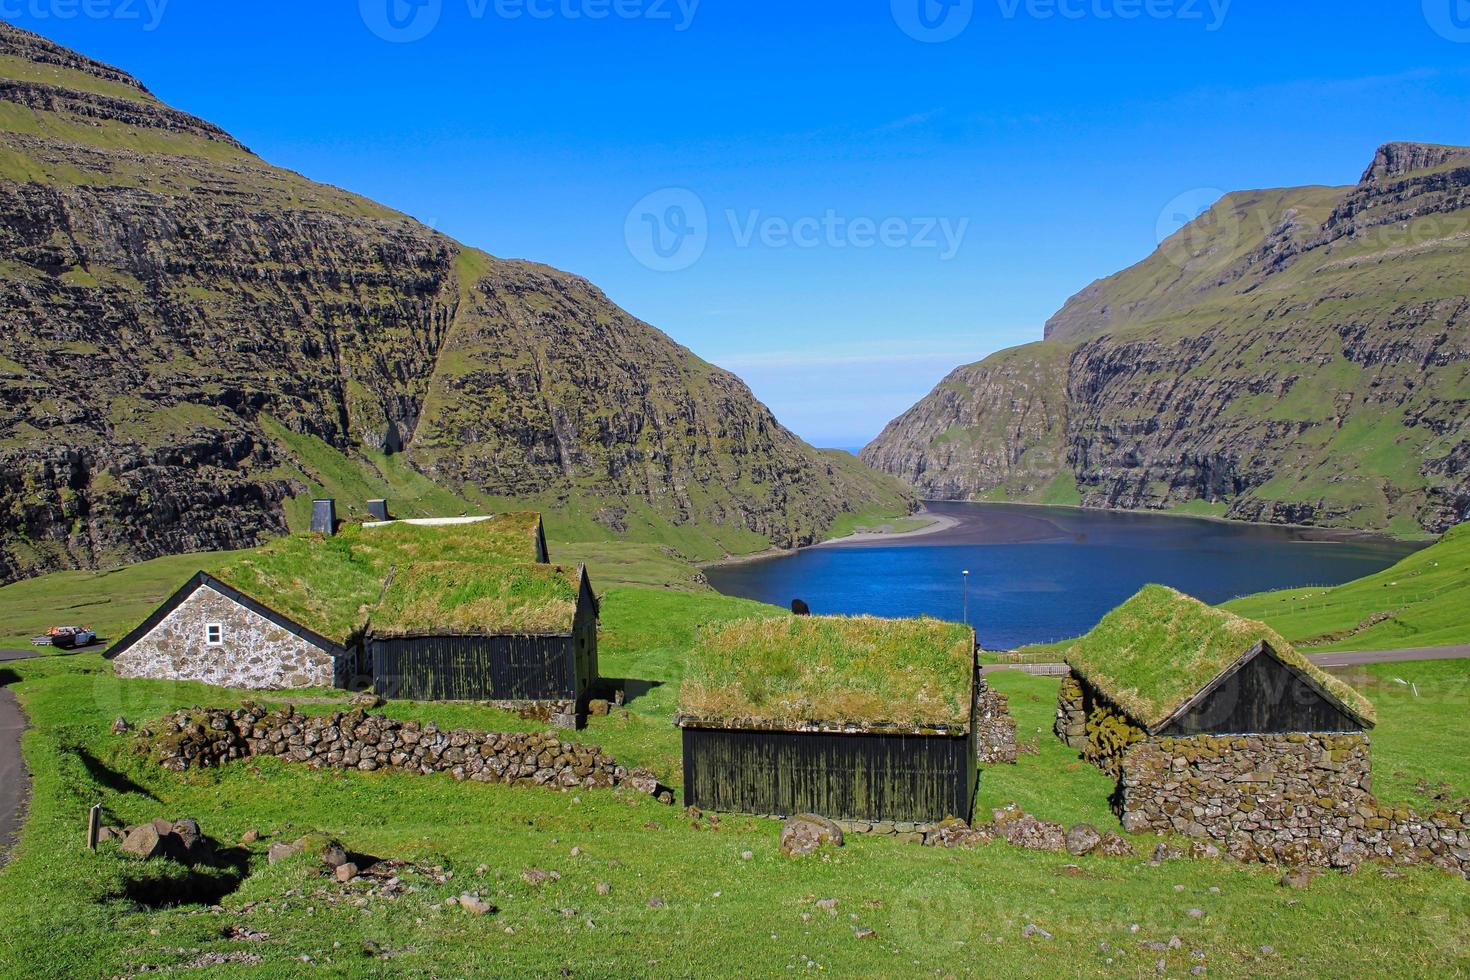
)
(1294, 355)
(197, 341)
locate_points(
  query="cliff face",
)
(1297, 355)
(194, 338)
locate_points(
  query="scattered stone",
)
(121, 726)
(1196, 913)
(1268, 950)
(250, 836)
(1179, 888)
(536, 877)
(366, 701)
(603, 888)
(108, 833)
(598, 707)
(807, 833)
(1197, 971)
(282, 851)
(1031, 930)
(1299, 878)
(1115, 844)
(1082, 839)
(333, 854)
(865, 934)
(655, 902)
(346, 871)
(830, 904)
(747, 855)
(143, 842)
(475, 905)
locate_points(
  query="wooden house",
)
(850, 718)
(519, 635)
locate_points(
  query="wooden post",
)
(94, 826)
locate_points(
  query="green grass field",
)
(935, 912)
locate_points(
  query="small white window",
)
(214, 634)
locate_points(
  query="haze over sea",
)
(1040, 574)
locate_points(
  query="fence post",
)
(94, 825)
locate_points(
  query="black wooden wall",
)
(477, 668)
(1263, 697)
(842, 777)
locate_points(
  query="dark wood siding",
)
(476, 668)
(843, 777)
(1263, 697)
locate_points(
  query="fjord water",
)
(1039, 574)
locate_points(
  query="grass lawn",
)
(68, 913)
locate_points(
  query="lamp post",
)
(965, 576)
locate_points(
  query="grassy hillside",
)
(1420, 602)
(1295, 355)
(948, 913)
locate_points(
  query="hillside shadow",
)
(632, 688)
(106, 776)
(172, 882)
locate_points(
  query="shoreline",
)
(937, 523)
(1329, 535)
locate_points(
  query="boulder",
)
(282, 851)
(598, 707)
(121, 726)
(475, 905)
(346, 871)
(365, 701)
(143, 842)
(807, 833)
(1082, 839)
(333, 854)
(1115, 845)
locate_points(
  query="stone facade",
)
(995, 728)
(1071, 723)
(252, 653)
(211, 737)
(1289, 799)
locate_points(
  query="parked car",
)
(71, 637)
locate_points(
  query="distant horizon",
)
(839, 209)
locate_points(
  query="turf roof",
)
(331, 584)
(1159, 649)
(478, 599)
(797, 670)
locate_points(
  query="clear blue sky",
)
(1047, 136)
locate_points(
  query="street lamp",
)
(966, 577)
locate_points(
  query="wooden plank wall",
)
(843, 777)
(476, 668)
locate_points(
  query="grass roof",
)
(803, 669)
(1157, 650)
(505, 537)
(475, 599)
(317, 581)
(331, 584)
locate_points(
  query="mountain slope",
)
(1294, 355)
(195, 340)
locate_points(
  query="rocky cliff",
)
(1294, 355)
(194, 339)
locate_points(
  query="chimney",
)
(324, 516)
(378, 510)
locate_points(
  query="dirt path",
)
(15, 782)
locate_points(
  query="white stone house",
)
(210, 632)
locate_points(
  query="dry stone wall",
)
(995, 727)
(1288, 799)
(253, 653)
(205, 737)
(1071, 724)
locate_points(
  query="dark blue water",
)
(1039, 574)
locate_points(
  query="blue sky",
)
(850, 198)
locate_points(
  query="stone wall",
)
(206, 737)
(1287, 799)
(1071, 723)
(254, 653)
(995, 728)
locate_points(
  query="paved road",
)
(15, 782)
